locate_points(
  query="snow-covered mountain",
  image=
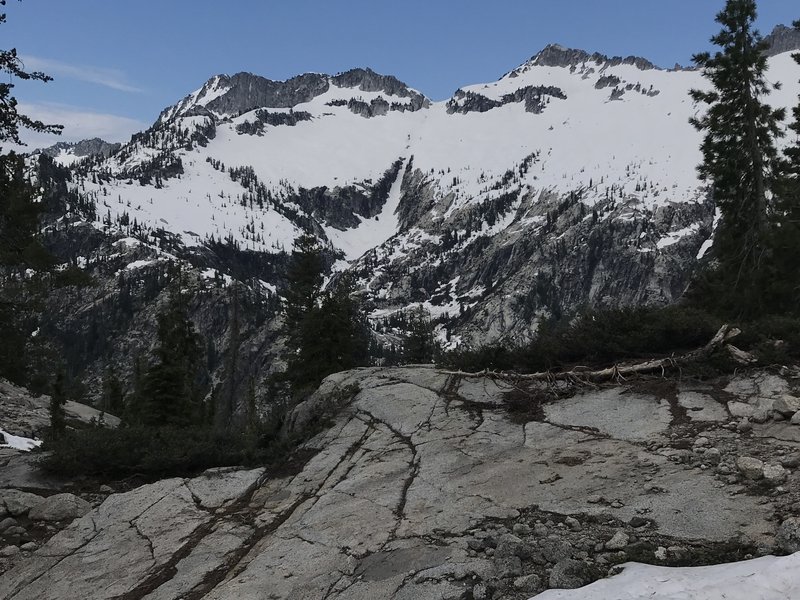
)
(570, 181)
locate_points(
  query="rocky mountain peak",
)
(233, 95)
(92, 147)
(240, 93)
(368, 80)
(556, 55)
(783, 39)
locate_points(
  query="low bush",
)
(152, 453)
(599, 338)
(147, 452)
(772, 339)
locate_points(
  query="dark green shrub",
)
(147, 452)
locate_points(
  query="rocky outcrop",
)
(273, 119)
(233, 95)
(534, 97)
(24, 414)
(555, 55)
(434, 485)
(92, 147)
(783, 39)
(368, 80)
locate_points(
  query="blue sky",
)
(117, 63)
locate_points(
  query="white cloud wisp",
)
(110, 78)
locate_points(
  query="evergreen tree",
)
(113, 394)
(225, 401)
(419, 345)
(19, 218)
(344, 335)
(326, 331)
(301, 310)
(169, 392)
(793, 151)
(304, 283)
(58, 399)
(783, 278)
(132, 413)
(10, 119)
(739, 152)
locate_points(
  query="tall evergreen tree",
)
(303, 290)
(739, 152)
(169, 392)
(326, 331)
(419, 345)
(19, 216)
(344, 335)
(783, 287)
(793, 150)
(304, 282)
(58, 399)
(225, 400)
(113, 394)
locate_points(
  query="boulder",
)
(528, 584)
(712, 456)
(17, 503)
(571, 574)
(788, 536)
(740, 410)
(791, 462)
(752, 468)
(760, 415)
(555, 550)
(774, 474)
(786, 405)
(61, 507)
(618, 542)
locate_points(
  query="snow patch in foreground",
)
(18, 443)
(767, 578)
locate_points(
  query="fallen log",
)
(623, 370)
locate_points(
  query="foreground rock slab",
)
(430, 485)
(126, 545)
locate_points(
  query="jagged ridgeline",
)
(569, 182)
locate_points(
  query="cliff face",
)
(783, 39)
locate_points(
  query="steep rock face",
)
(494, 270)
(783, 39)
(110, 327)
(430, 485)
(243, 92)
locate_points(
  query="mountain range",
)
(569, 182)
